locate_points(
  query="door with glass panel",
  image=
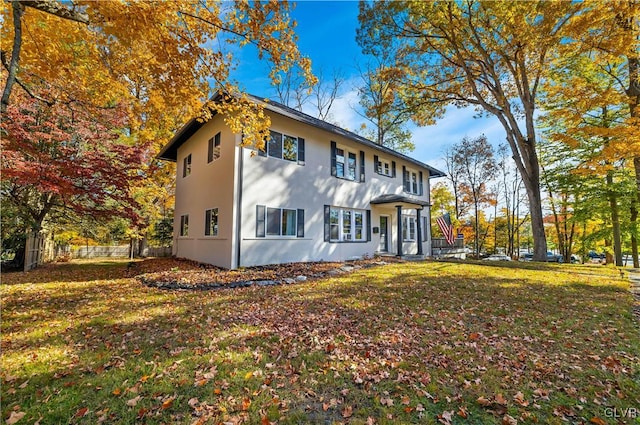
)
(384, 233)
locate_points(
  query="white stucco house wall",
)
(317, 193)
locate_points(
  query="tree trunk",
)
(634, 215)
(615, 220)
(18, 11)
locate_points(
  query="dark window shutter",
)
(334, 168)
(361, 166)
(260, 213)
(300, 151)
(217, 140)
(375, 164)
(210, 151)
(207, 223)
(421, 189)
(300, 223)
(393, 169)
(405, 181)
(327, 226)
(368, 225)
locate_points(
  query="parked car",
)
(497, 257)
(554, 258)
(595, 256)
(527, 257)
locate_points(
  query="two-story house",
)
(316, 192)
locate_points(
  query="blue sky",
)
(327, 31)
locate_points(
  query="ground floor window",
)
(409, 228)
(211, 222)
(279, 222)
(346, 224)
(184, 225)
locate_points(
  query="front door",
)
(384, 233)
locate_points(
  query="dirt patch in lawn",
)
(191, 275)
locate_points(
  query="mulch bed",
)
(184, 274)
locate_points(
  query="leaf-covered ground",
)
(428, 342)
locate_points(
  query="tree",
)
(490, 55)
(475, 164)
(60, 159)
(156, 62)
(602, 80)
(383, 108)
(147, 54)
(294, 91)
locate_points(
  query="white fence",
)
(121, 251)
(39, 249)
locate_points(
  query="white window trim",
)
(184, 219)
(345, 162)
(410, 228)
(215, 149)
(353, 226)
(380, 168)
(186, 171)
(282, 210)
(414, 179)
(282, 150)
(217, 227)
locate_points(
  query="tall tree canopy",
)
(149, 66)
(491, 55)
(160, 55)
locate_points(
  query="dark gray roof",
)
(393, 198)
(170, 151)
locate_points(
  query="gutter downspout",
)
(239, 207)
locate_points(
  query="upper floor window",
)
(412, 181)
(211, 222)
(346, 225)
(285, 147)
(184, 225)
(346, 164)
(214, 148)
(384, 167)
(186, 166)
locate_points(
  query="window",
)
(279, 222)
(412, 181)
(346, 225)
(214, 148)
(409, 228)
(344, 164)
(384, 167)
(211, 222)
(184, 225)
(186, 166)
(285, 147)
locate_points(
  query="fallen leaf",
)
(509, 420)
(347, 412)
(133, 401)
(81, 412)
(596, 420)
(501, 400)
(167, 403)
(246, 403)
(484, 402)
(15, 417)
(117, 391)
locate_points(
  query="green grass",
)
(430, 342)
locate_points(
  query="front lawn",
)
(428, 342)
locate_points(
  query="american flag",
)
(444, 222)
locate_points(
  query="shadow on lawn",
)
(120, 332)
